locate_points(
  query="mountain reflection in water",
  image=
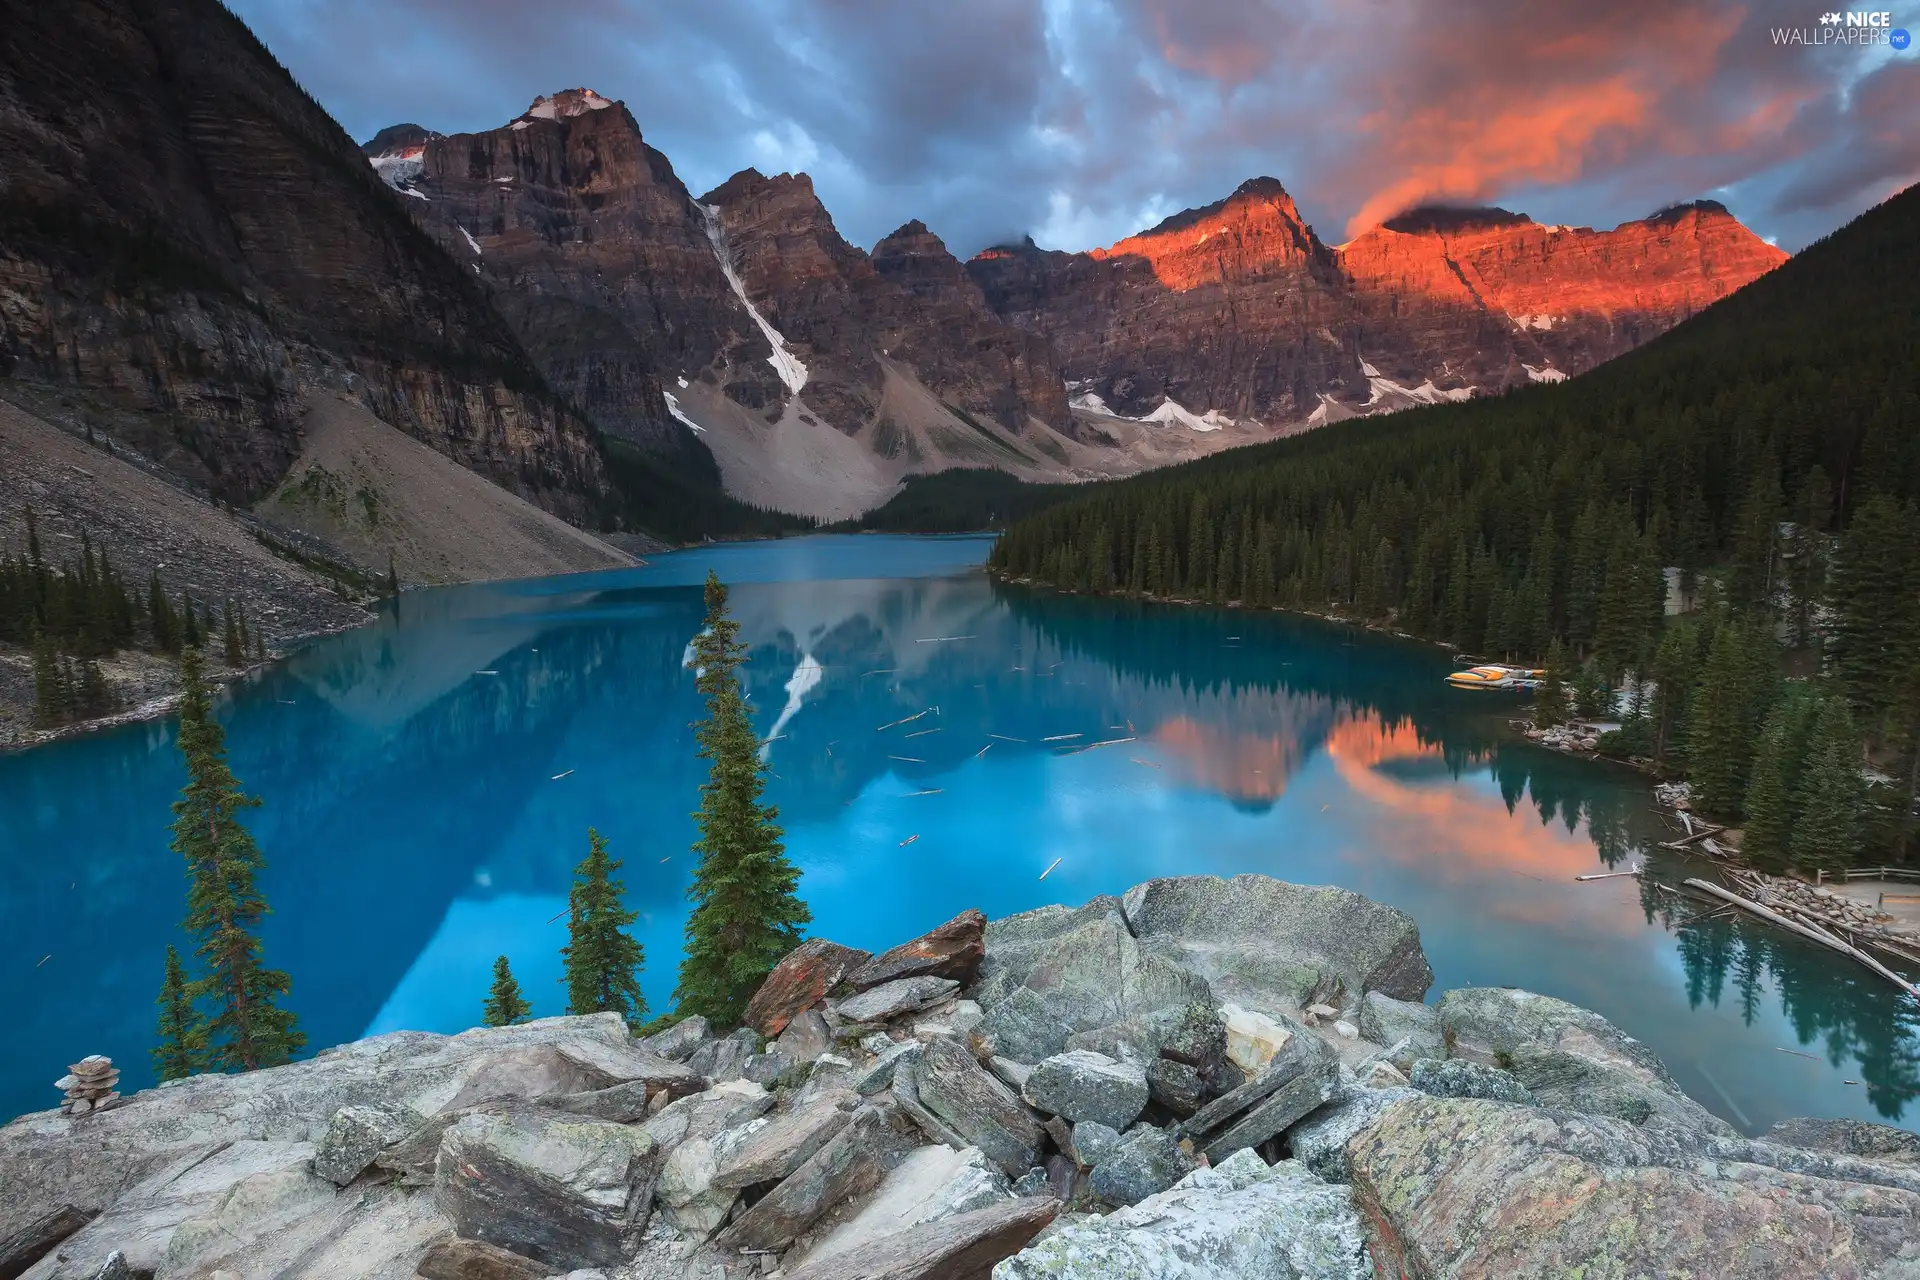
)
(429, 780)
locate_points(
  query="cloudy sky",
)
(1080, 121)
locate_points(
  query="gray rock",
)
(1464, 1187)
(1086, 966)
(114, 1268)
(905, 1096)
(965, 1247)
(977, 1106)
(851, 1163)
(928, 1185)
(897, 1056)
(730, 1054)
(953, 950)
(36, 1239)
(688, 1199)
(459, 1259)
(1387, 1021)
(892, 999)
(1320, 1141)
(1238, 1220)
(1301, 1075)
(1176, 1086)
(1094, 1142)
(678, 1042)
(1569, 1057)
(806, 1036)
(1459, 1078)
(1081, 1085)
(1145, 1162)
(703, 1057)
(558, 1189)
(1033, 1183)
(1014, 1073)
(1021, 1028)
(1255, 938)
(1848, 1137)
(624, 1103)
(771, 1068)
(356, 1135)
(776, 1145)
(708, 1114)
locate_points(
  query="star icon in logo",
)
(1829, 19)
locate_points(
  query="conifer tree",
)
(1716, 756)
(505, 1005)
(1590, 694)
(1826, 834)
(1773, 796)
(248, 1029)
(1550, 699)
(52, 692)
(746, 914)
(602, 960)
(160, 618)
(189, 624)
(182, 1039)
(234, 655)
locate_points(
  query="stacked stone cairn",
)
(89, 1085)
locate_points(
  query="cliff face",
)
(189, 233)
(1239, 308)
(842, 312)
(590, 246)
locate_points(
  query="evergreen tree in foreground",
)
(1773, 792)
(602, 960)
(178, 1053)
(746, 913)
(1832, 793)
(505, 1005)
(247, 1029)
(1550, 699)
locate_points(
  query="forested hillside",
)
(1768, 440)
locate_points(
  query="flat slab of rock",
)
(1320, 1142)
(1569, 1057)
(1021, 1028)
(552, 1187)
(800, 981)
(1460, 1078)
(978, 1106)
(850, 1164)
(1848, 1137)
(892, 999)
(965, 1247)
(1253, 936)
(1387, 1021)
(931, 1184)
(1240, 1220)
(1458, 1187)
(677, 1042)
(458, 1259)
(776, 1145)
(954, 950)
(1081, 1085)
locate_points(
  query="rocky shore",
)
(1236, 1078)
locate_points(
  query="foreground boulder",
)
(1085, 966)
(564, 1191)
(965, 1247)
(954, 950)
(1254, 937)
(1467, 1188)
(929, 1185)
(800, 981)
(1849, 1137)
(1241, 1220)
(978, 1106)
(1569, 1057)
(1081, 1085)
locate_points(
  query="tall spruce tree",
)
(746, 911)
(231, 651)
(1773, 789)
(602, 959)
(1717, 750)
(1826, 834)
(1550, 699)
(248, 1028)
(182, 1039)
(505, 1005)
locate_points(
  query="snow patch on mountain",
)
(1546, 373)
(1169, 413)
(1384, 389)
(471, 242)
(1541, 322)
(784, 363)
(673, 407)
(566, 104)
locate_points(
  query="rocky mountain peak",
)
(1250, 234)
(566, 104)
(399, 139)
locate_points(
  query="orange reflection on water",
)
(1459, 833)
(1241, 765)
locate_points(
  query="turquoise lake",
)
(428, 781)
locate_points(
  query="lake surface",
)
(429, 780)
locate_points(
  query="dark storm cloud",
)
(1082, 120)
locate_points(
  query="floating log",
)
(1062, 737)
(1820, 936)
(1700, 833)
(1137, 760)
(1050, 866)
(558, 776)
(1608, 875)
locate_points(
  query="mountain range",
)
(818, 375)
(193, 255)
